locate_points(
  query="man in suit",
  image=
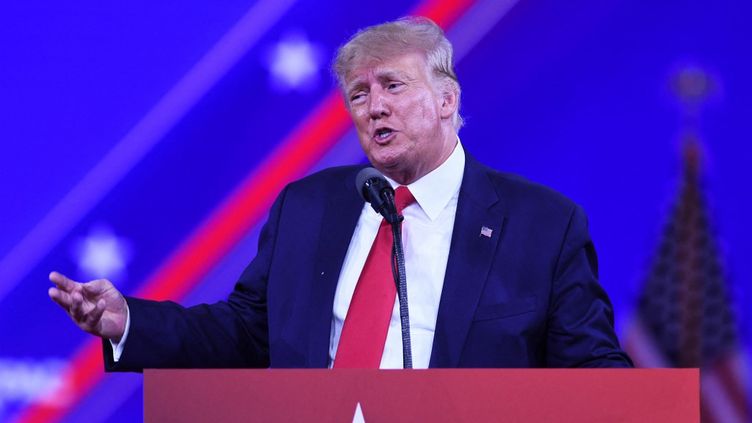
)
(501, 272)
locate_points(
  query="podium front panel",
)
(442, 395)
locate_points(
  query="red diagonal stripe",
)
(243, 209)
(444, 13)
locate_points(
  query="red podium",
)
(524, 395)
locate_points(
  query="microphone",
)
(375, 189)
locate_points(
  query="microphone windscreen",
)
(363, 176)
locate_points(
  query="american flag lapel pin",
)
(486, 231)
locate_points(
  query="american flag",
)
(684, 316)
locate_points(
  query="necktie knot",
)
(403, 198)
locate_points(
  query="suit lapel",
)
(341, 214)
(470, 258)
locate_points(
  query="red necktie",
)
(361, 343)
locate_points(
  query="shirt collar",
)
(434, 190)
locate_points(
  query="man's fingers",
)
(71, 302)
(60, 297)
(62, 281)
(83, 302)
(76, 309)
(96, 314)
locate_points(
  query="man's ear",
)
(449, 101)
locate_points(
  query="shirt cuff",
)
(117, 349)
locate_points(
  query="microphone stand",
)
(398, 271)
(400, 279)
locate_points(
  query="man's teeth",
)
(381, 134)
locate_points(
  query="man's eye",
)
(356, 97)
(394, 85)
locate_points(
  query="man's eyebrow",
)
(384, 75)
(355, 85)
(389, 74)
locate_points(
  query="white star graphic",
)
(101, 254)
(294, 63)
(358, 416)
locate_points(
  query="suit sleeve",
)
(227, 334)
(581, 323)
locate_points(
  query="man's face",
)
(402, 118)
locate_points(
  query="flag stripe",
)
(729, 377)
(716, 402)
(706, 411)
(641, 348)
(193, 259)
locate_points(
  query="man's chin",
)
(397, 172)
(386, 167)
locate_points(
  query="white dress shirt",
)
(427, 233)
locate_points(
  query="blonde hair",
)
(405, 35)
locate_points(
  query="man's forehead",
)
(405, 65)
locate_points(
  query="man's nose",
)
(378, 106)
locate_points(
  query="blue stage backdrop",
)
(143, 142)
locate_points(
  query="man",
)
(500, 272)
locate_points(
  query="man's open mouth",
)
(382, 134)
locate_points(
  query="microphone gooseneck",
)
(400, 278)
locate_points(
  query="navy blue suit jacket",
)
(528, 296)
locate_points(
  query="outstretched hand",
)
(96, 307)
